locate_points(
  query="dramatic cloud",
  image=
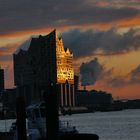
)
(123, 3)
(94, 72)
(22, 15)
(90, 72)
(132, 78)
(135, 75)
(87, 43)
(117, 82)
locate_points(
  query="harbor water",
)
(117, 125)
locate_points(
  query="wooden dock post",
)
(21, 119)
(52, 119)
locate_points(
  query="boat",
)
(36, 123)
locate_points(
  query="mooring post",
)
(21, 119)
(52, 119)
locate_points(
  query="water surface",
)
(119, 125)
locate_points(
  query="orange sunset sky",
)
(108, 30)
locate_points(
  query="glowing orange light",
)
(65, 68)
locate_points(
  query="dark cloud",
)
(90, 72)
(17, 15)
(124, 3)
(135, 75)
(132, 78)
(86, 43)
(117, 81)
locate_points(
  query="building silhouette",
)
(93, 98)
(42, 60)
(1, 79)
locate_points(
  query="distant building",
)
(1, 79)
(93, 98)
(76, 82)
(43, 60)
(9, 98)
